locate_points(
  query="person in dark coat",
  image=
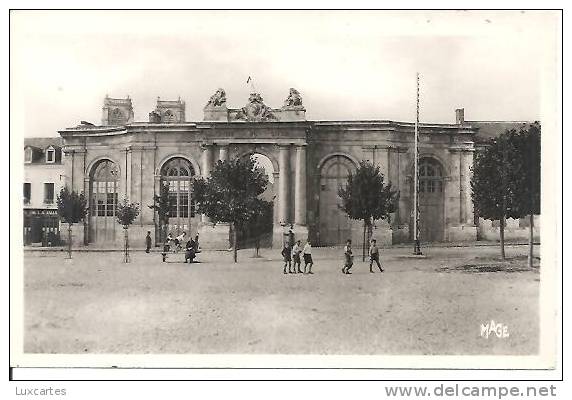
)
(148, 242)
(349, 257)
(190, 251)
(287, 254)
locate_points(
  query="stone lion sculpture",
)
(294, 99)
(217, 99)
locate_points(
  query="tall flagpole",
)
(417, 247)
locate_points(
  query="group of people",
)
(292, 257)
(176, 244)
(292, 254)
(349, 257)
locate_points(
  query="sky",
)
(347, 65)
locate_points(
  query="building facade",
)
(43, 179)
(307, 160)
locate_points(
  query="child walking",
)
(308, 262)
(374, 256)
(287, 254)
(349, 258)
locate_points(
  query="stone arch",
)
(93, 164)
(432, 188)
(444, 165)
(261, 233)
(104, 186)
(178, 171)
(334, 226)
(267, 154)
(324, 159)
(195, 165)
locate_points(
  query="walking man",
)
(349, 258)
(190, 251)
(296, 251)
(374, 256)
(287, 254)
(308, 257)
(148, 242)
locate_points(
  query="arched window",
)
(177, 173)
(334, 224)
(430, 176)
(336, 170)
(116, 117)
(104, 185)
(169, 117)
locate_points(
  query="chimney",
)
(460, 116)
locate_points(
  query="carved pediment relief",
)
(255, 110)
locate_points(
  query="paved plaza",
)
(433, 305)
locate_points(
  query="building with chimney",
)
(43, 179)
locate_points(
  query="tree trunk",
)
(531, 241)
(126, 246)
(363, 246)
(69, 240)
(235, 245)
(502, 222)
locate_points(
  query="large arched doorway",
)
(177, 174)
(258, 233)
(103, 192)
(431, 200)
(334, 225)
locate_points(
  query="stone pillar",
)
(300, 186)
(124, 184)
(462, 189)
(223, 152)
(469, 210)
(207, 158)
(459, 224)
(283, 194)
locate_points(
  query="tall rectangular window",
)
(48, 193)
(27, 193)
(50, 155)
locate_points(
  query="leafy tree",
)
(72, 208)
(367, 197)
(161, 206)
(492, 181)
(258, 227)
(232, 194)
(125, 215)
(525, 177)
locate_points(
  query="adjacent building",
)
(43, 179)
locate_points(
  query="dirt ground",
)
(97, 304)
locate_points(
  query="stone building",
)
(308, 161)
(43, 179)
